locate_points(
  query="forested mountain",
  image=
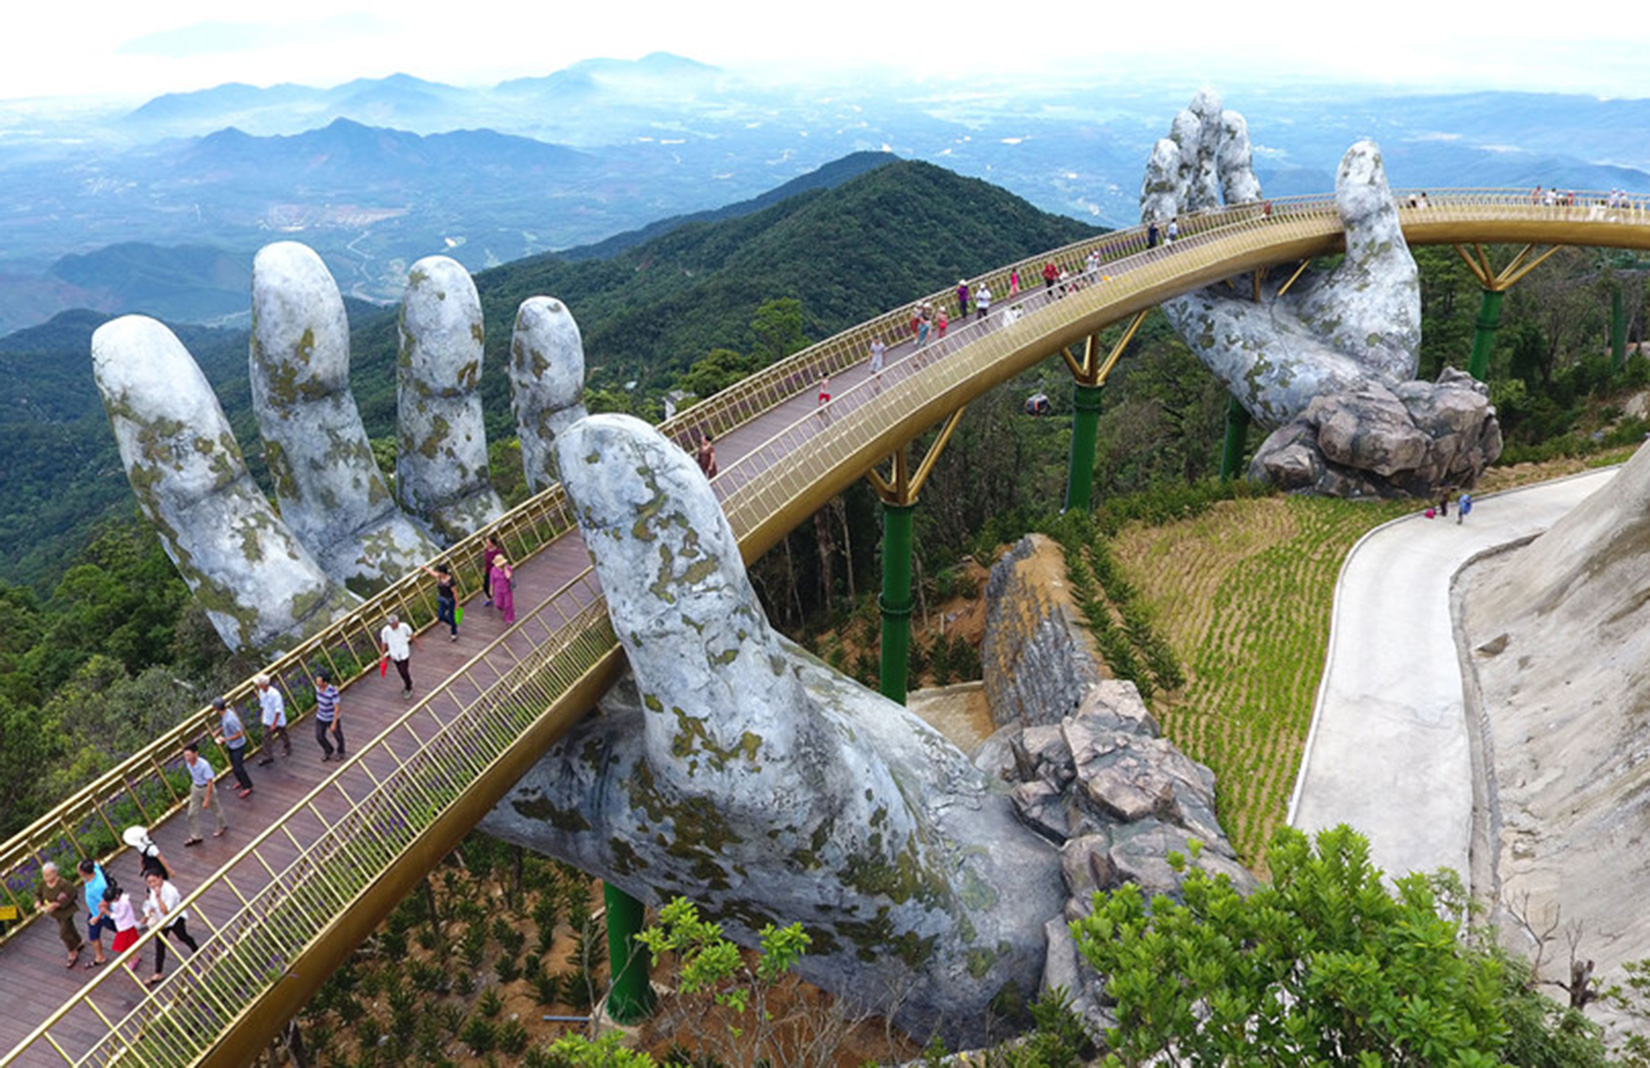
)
(845, 253)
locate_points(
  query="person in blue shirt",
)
(203, 793)
(93, 883)
(231, 734)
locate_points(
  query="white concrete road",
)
(1388, 751)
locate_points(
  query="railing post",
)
(1085, 432)
(1237, 440)
(631, 996)
(895, 601)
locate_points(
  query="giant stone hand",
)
(741, 772)
(1331, 362)
(340, 532)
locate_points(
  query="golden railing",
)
(390, 793)
(448, 742)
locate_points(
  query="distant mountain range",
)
(378, 172)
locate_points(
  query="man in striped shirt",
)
(329, 718)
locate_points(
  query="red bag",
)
(383, 665)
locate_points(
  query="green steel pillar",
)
(631, 998)
(1237, 438)
(1618, 331)
(895, 601)
(1085, 431)
(1483, 339)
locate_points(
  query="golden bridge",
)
(321, 853)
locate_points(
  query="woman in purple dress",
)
(504, 592)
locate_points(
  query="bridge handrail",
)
(338, 858)
(857, 423)
(151, 783)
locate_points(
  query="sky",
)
(140, 50)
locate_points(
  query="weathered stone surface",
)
(749, 776)
(256, 582)
(331, 494)
(441, 462)
(546, 383)
(1038, 664)
(1411, 439)
(1353, 333)
(334, 501)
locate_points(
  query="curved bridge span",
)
(324, 852)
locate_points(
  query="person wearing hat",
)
(329, 718)
(504, 587)
(231, 734)
(962, 298)
(150, 858)
(272, 713)
(395, 642)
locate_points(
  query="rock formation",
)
(1348, 339)
(1556, 636)
(263, 579)
(734, 769)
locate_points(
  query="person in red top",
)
(1050, 273)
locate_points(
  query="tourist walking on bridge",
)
(272, 714)
(446, 598)
(1050, 273)
(706, 455)
(203, 794)
(489, 553)
(231, 735)
(92, 884)
(982, 301)
(504, 587)
(329, 718)
(395, 642)
(162, 913)
(962, 298)
(57, 900)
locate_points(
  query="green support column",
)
(1085, 431)
(631, 999)
(895, 601)
(1618, 331)
(1237, 439)
(1483, 339)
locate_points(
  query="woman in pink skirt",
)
(504, 592)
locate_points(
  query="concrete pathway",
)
(1388, 750)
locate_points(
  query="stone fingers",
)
(256, 582)
(1371, 305)
(546, 383)
(441, 463)
(330, 490)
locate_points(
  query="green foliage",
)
(1323, 966)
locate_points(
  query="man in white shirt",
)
(395, 641)
(272, 714)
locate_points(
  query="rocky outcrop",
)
(1038, 661)
(1345, 337)
(1093, 777)
(1556, 636)
(1410, 440)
